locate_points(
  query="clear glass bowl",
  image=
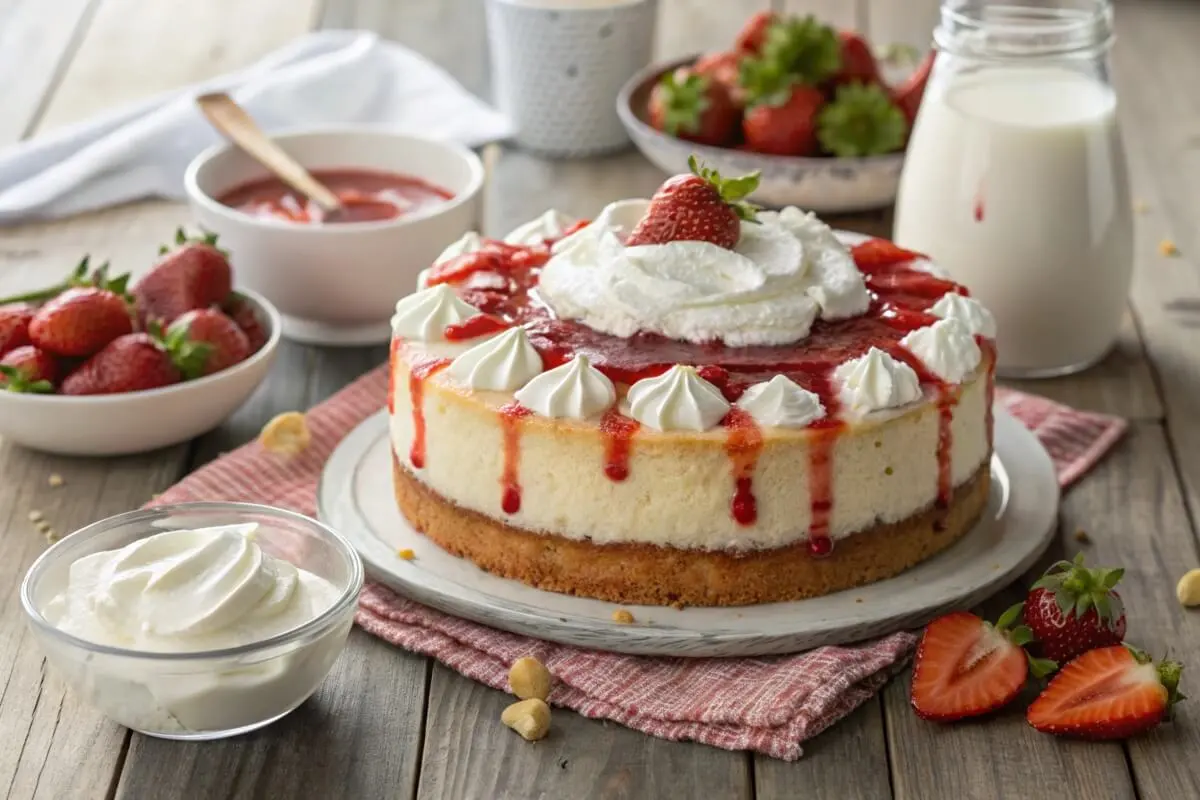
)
(207, 694)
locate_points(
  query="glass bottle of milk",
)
(1015, 178)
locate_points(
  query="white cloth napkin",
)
(329, 77)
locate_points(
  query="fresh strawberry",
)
(861, 121)
(908, 94)
(722, 68)
(966, 667)
(81, 321)
(784, 126)
(1110, 693)
(874, 254)
(241, 312)
(803, 48)
(28, 369)
(701, 206)
(137, 361)
(858, 62)
(14, 326)
(693, 107)
(194, 274)
(1072, 609)
(752, 35)
(228, 343)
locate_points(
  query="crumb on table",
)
(55, 479)
(1167, 248)
(1082, 537)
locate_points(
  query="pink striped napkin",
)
(770, 705)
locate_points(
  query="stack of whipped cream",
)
(787, 271)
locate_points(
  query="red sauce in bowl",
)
(367, 196)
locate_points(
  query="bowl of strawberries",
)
(97, 365)
(808, 107)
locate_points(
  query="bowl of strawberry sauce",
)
(335, 281)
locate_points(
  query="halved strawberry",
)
(701, 206)
(874, 254)
(1072, 609)
(1109, 693)
(966, 666)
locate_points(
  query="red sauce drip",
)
(901, 296)
(392, 358)
(420, 371)
(476, 326)
(978, 208)
(989, 354)
(820, 485)
(618, 432)
(743, 446)
(947, 400)
(366, 196)
(510, 421)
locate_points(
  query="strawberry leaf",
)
(1112, 577)
(803, 48)
(765, 83)
(730, 190)
(1041, 667)
(683, 102)
(1011, 615)
(1020, 636)
(861, 121)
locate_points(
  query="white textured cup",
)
(558, 65)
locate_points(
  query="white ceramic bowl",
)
(134, 422)
(209, 694)
(338, 284)
(824, 185)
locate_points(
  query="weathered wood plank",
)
(56, 745)
(470, 754)
(450, 33)
(847, 762)
(1133, 511)
(1155, 60)
(34, 43)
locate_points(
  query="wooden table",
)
(391, 724)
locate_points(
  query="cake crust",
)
(645, 574)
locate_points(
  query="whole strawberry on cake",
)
(688, 400)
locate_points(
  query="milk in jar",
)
(1015, 180)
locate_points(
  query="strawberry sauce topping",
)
(418, 373)
(743, 446)
(501, 280)
(618, 431)
(510, 419)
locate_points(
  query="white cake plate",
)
(356, 498)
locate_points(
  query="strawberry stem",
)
(731, 190)
(77, 277)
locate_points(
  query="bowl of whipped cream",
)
(195, 621)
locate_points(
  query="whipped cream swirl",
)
(966, 310)
(677, 400)
(876, 381)
(780, 402)
(786, 271)
(187, 590)
(576, 390)
(548, 226)
(946, 348)
(424, 315)
(500, 364)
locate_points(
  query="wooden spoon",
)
(233, 121)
